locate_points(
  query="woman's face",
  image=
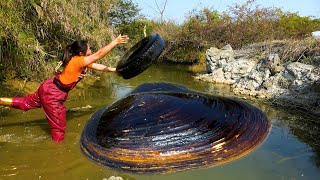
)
(88, 50)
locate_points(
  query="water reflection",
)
(120, 90)
(307, 131)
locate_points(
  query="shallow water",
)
(291, 151)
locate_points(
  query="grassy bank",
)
(34, 33)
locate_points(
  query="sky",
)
(176, 10)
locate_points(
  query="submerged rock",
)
(163, 128)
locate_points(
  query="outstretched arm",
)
(101, 67)
(103, 51)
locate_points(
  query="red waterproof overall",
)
(51, 96)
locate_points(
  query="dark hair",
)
(74, 49)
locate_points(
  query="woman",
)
(53, 92)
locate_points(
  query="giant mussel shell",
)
(163, 128)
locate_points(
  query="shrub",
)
(240, 25)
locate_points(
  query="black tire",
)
(140, 56)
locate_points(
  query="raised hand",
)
(121, 39)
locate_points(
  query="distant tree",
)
(123, 12)
(161, 9)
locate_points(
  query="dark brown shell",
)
(162, 128)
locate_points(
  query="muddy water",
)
(291, 151)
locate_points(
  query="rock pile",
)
(265, 77)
